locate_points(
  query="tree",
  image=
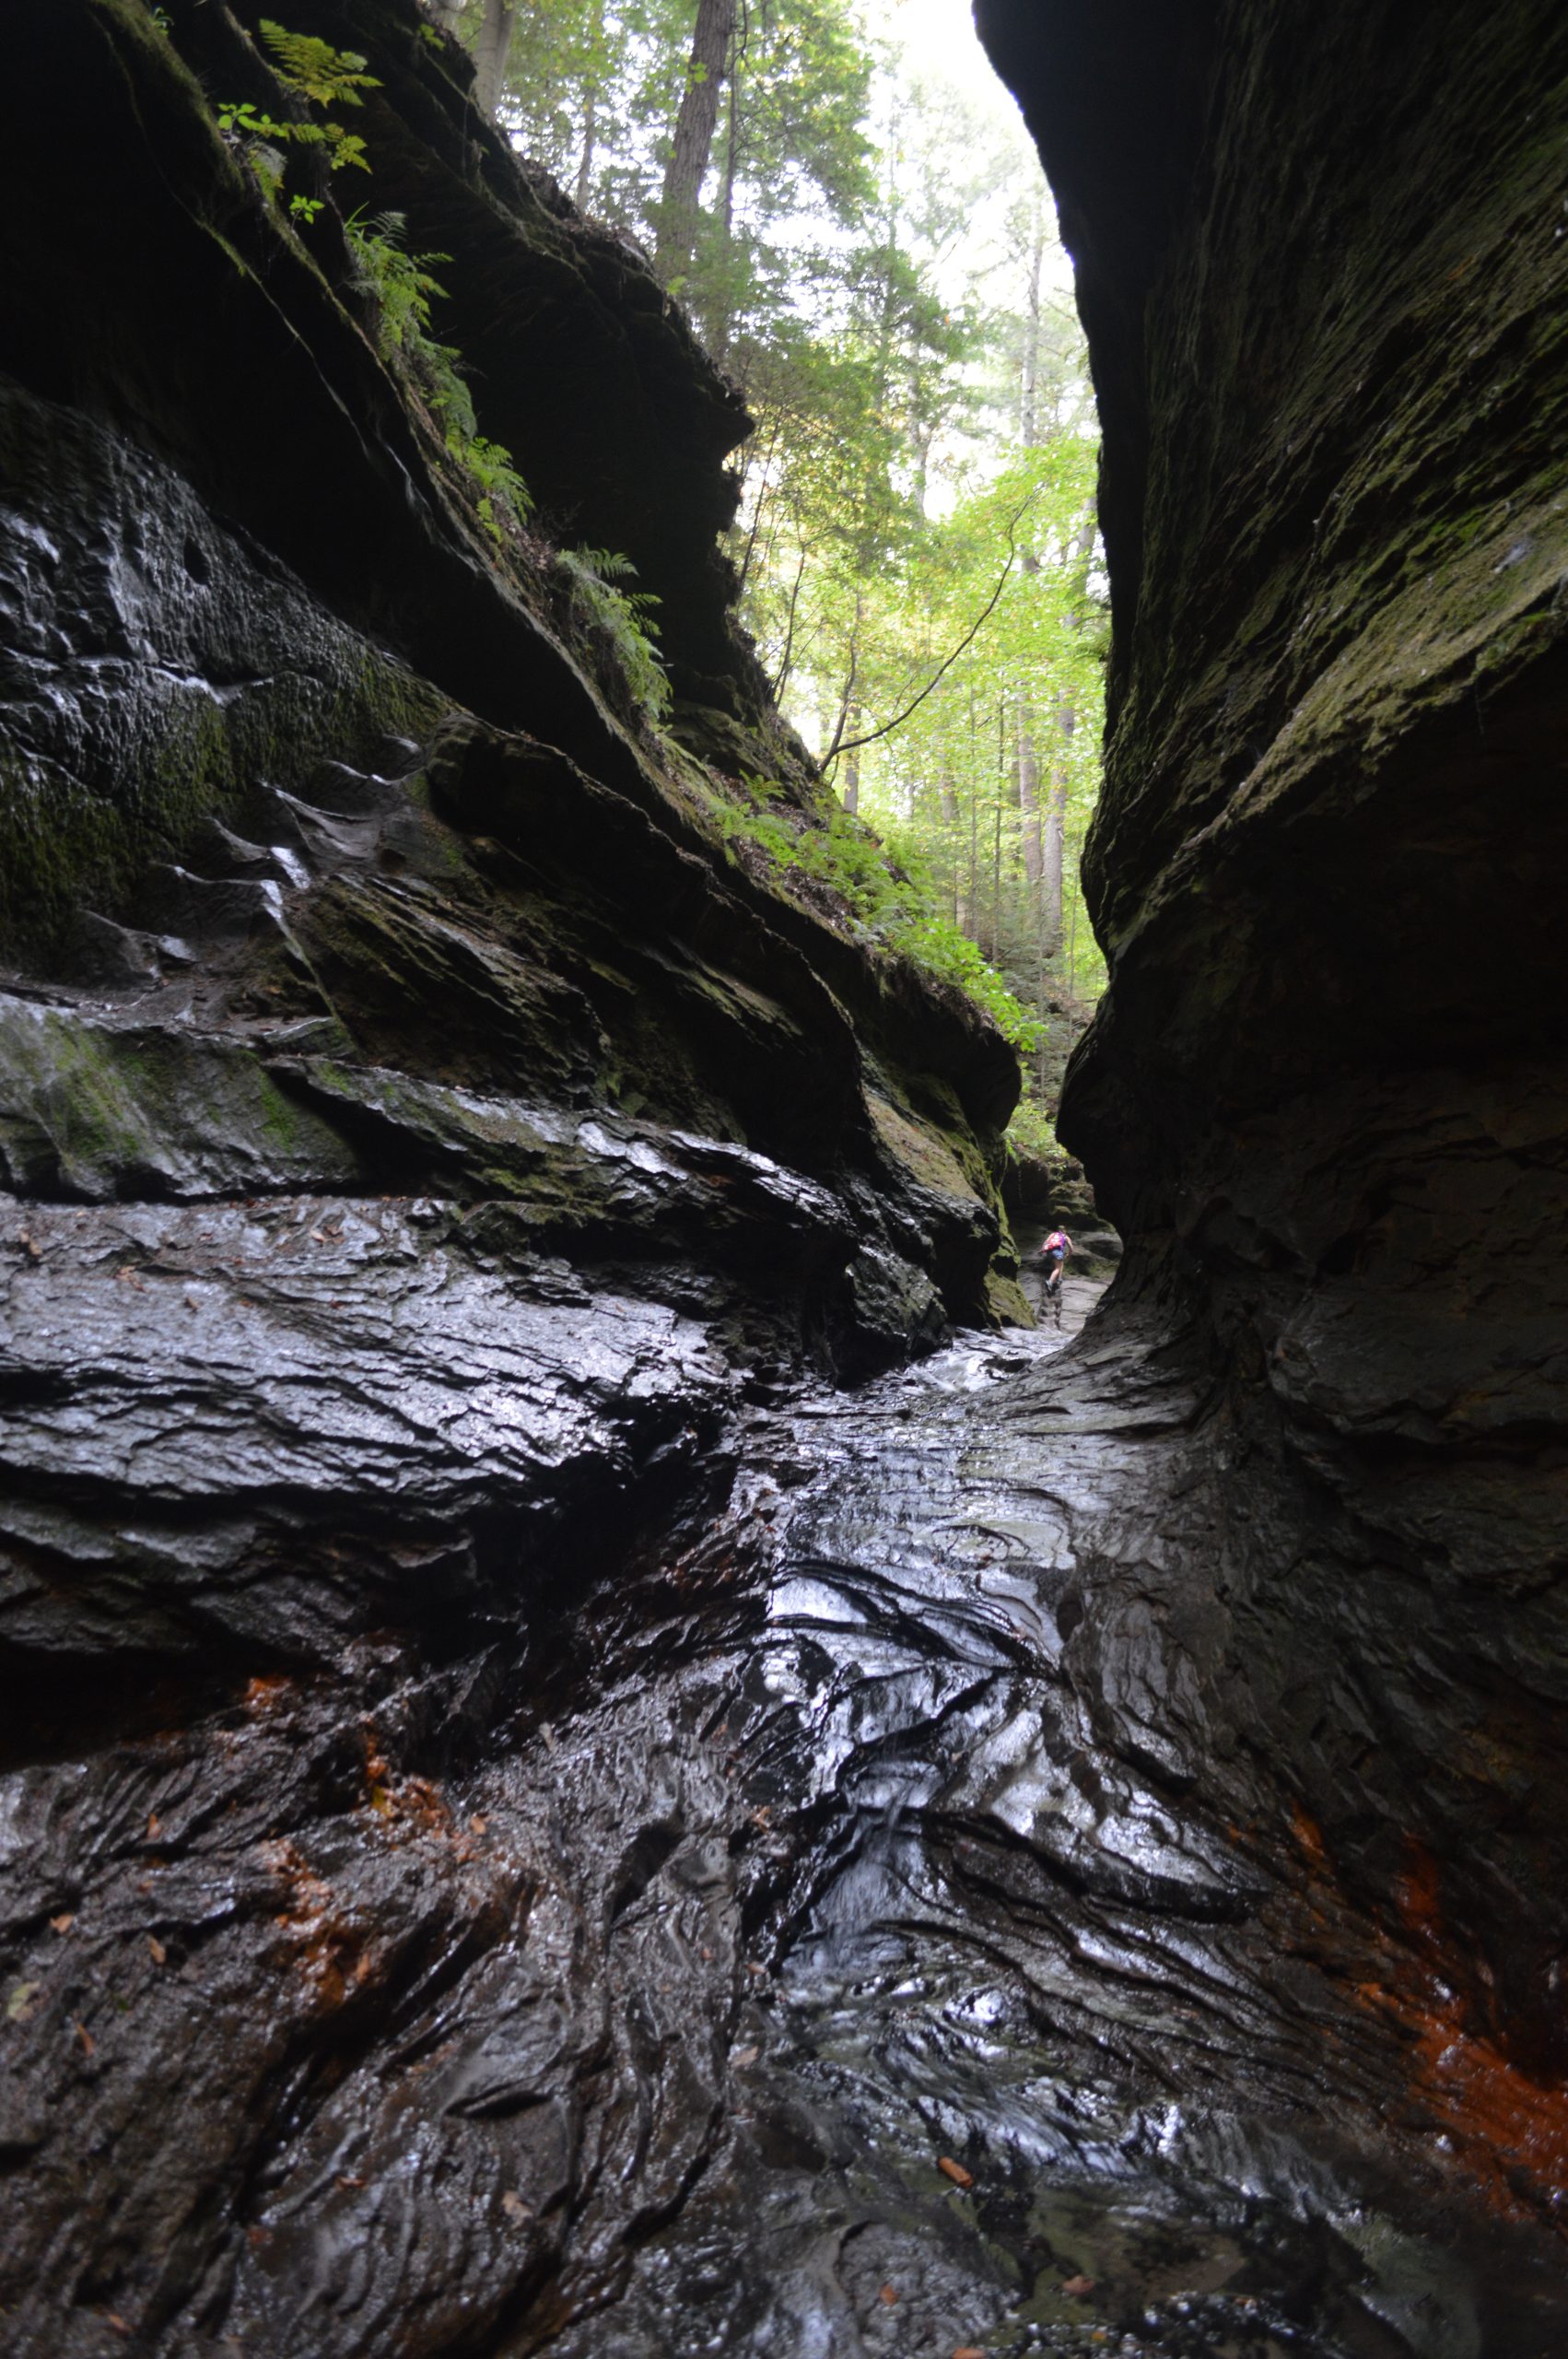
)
(491, 49)
(916, 542)
(691, 141)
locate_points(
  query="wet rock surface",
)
(818, 1921)
(555, 1792)
(1332, 456)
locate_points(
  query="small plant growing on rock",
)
(322, 77)
(621, 618)
(403, 286)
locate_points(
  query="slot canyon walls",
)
(423, 1124)
(1322, 259)
(531, 1815)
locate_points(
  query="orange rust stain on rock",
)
(262, 1694)
(1417, 1892)
(1309, 1834)
(1508, 2130)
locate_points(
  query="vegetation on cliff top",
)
(915, 541)
(871, 254)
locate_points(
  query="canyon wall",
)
(1322, 263)
(426, 1118)
(532, 1816)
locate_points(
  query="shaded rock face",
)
(1324, 269)
(532, 1816)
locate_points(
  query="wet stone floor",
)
(1021, 2071)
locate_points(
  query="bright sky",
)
(939, 39)
(940, 45)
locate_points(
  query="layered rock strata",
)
(423, 1116)
(530, 1820)
(1323, 268)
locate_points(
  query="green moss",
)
(70, 841)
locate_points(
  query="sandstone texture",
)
(596, 1755)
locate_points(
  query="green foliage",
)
(322, 77)
(623, 619)
(500, 486)
(893, 902)
(341, 148)
(326, 76)
(402, 282)
(936, 944)
(403, 286)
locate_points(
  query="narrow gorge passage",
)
(602, 1750)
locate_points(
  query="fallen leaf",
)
(18, 2006)
(514, 2207)
(889, 2294)
(154, 1827)
(969, 2351)
(159, 1954)
(347, 2179)
(113, 2318)
(88, 2043)
(316, 1238)
(955, 2171)
(744, 2056)
(1077, 2289)
(61, 1924)
(30, 1245)
(479, 1824)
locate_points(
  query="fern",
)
(322, 75)
(402, 282)
(499, 481)
(403, 286)
(327, 77)
(623, 618)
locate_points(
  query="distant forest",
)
(873, 257)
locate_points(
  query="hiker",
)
(1054, 1253)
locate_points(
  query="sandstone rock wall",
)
(1323, 262)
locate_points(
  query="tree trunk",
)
(996, 849)
(723, 320)
(692, 141)
(589, 108)
(852, 769)
(1029, 390)
(1066, 721)
(1029, 799)
(585, 156)
(1055, 835)
(950, 823)
(490, 53)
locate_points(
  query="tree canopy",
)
(873, 257)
